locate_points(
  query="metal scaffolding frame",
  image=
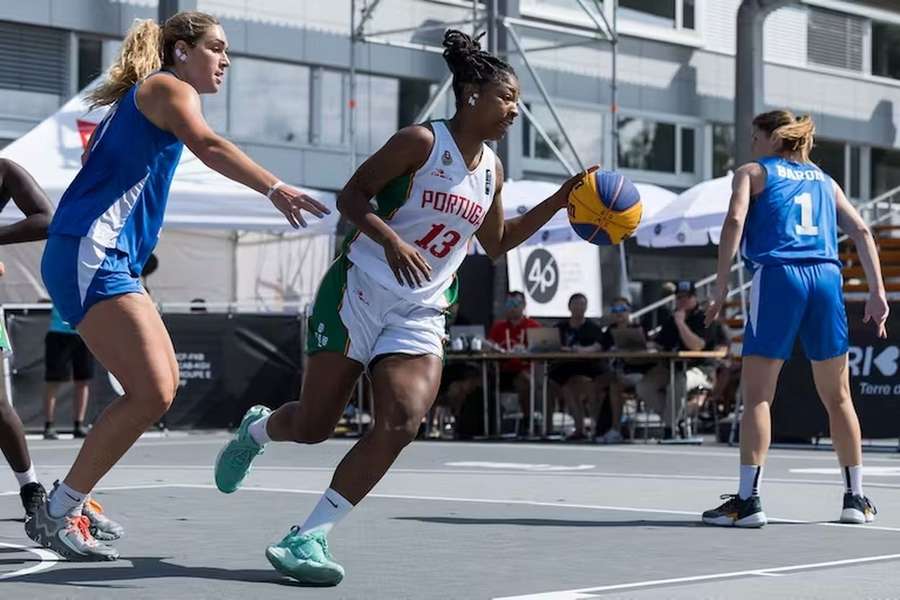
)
(485, 13)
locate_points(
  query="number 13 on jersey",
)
(444, 245)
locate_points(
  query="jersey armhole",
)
(765, 169)
(427, 160)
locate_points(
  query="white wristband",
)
(274, 187)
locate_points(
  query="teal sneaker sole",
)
(306, 572)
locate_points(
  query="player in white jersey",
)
(381, 306)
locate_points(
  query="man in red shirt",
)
(511, 334)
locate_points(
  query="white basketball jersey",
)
(437, 210)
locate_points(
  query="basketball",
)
(604, 208)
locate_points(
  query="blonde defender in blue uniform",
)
(785, 213)
(105, 228)
(381, 306)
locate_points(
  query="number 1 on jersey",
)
(806, 226)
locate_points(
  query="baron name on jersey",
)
(799, 175)
(454, 204)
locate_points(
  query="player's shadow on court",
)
(532, 522)
(143, 569)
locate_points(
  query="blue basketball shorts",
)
(804, 299)
(79, 273)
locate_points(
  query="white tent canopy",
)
(219, 265)
(693, 219)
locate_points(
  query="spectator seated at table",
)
(625, 373)
(510, 333)
(684, 330)
(577, 379)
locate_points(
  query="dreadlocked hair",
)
(470, 64)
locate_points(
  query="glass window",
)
(376, 112)
(646, 145)
(830, 158)
(333, 101)
(687, 149)
(885, 50)
(855, 170)
(414, 95)
(885, 170)
(585, 128)
(723, 149)
(835, 39)
(90, 61)
(654, 12)
(215, 106)
(688, 19)
(270, 100)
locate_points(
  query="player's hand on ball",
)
(877, 311)
(290, 201)
(561, 197)
(407, 264)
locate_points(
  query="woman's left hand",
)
(290, 201)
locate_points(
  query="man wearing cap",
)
(684, 330)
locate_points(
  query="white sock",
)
(853, 480)
(750, 476)
(332, 507)
(27, 477)
(258, 431)
(63, 499)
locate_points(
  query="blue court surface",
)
(472, 520)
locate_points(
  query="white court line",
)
(588, 474)
(584, 593)
(139, 444)
(692, 513)
(48, 559)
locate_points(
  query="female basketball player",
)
(787, 212)
(17, 184)
(105, 228)
(381, 306)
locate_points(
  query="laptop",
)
(543, 339)
(467, 332)
(629, 339)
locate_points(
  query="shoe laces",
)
(729, 499)
(242, 453)
(82, 526)
(295, 539)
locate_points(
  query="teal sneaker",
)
(305, 557)
(234, 460)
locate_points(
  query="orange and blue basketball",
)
(604, 208)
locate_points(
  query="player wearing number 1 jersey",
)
(787, 211)
(380, 307)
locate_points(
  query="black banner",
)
(227, 363)
(798, 413)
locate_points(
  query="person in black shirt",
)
(684, 330)
(577, 378)
(624, 372)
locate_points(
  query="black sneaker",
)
(735, 512)
(50, 433)
(79, 432)
(857, 509)
(32, 495)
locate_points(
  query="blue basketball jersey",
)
(794, 219)
(118, 199)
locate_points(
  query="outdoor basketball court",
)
(470, 520)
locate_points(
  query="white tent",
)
(693, 219)
(221, 241)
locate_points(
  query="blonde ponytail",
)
(796, 134)
(139, 56)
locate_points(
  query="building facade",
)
(287, 102)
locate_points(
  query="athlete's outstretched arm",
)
(853, 225)
(403, 154)
(498, 236)
(18, 184)
(732, 231)
(174, 106)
